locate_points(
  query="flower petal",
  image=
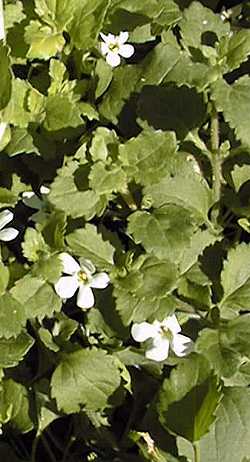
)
(44, 190)
(104, 48)
(70, 265)
(87, 266)
(85, 297)
(110, 38)
(172, 324)
(5, 217)
(143, 331)
(126, 50)
(159, 350)
(123, 37)
(100, 281)
(66, 286)
(181, 345)
(8, 234)
(113, 59)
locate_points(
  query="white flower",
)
(163, 335)
(80, 277)
(7, 234)
(32, 200)
(114, 46)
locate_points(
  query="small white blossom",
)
(33, 201)
(113, 47)
(163, 335)
(7, 234)
(80, 277)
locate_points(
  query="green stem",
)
(197, 452)
(216, 162)
(48, 449)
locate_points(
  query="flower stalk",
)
(216, 162)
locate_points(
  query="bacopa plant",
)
(124, 231)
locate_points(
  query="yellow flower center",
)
(114, 47)
(82, 277)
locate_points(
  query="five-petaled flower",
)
(163, 335)
(7, 234)
(82, 277)
(114, 46)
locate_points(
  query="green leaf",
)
(240, 175)
(42, 41)
(48, 268)
(190, 73)
(198, 21)
(88, 243)
(166, 232)
(16, 112)
(7, 197)
(122, 86)
(213, 344)
(15, 411)
(180, 109)
(188, 399)
(54, 230)
(21, 142)
(238, 48)
(61, 113)
(56, 13)
(156, 67)
(13, 350)
(33, 245)
(87, 23)
(235, 279)
(233, 415)
(13, 13)
(187, 189)
(93, 376)
(107, 179)
(5, 91)
(37, 296)
(146, 157)
(104, 74)
(102, 143)
(233, 101)
(4, 278)
(12, 316)
(65, 196)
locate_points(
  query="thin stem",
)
(216, 162)
(34, 448)
(197, 452)
(48, 449)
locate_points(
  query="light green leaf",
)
(200, 240)
(166, 232)
(146, 157)
(102, 143)
(158, 64)
(238, 48)
(189, 399)
(15, 411)
(54, 230)
(190, 73)
(33, 245)
(21, 142)
(16, 112)
(12, 316)
(13, 13)
(198, 21)
(43, 42)
(235, 279)
(105, 180)
(56, 13)
(233, 416)
(5, 90)
(240, 175)
(61, 113)
(4, 278)
(7, 197)
(48, 268)
(233, 101)
(13, 350)
(88, 243)
(92, 374)
(37, 296)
